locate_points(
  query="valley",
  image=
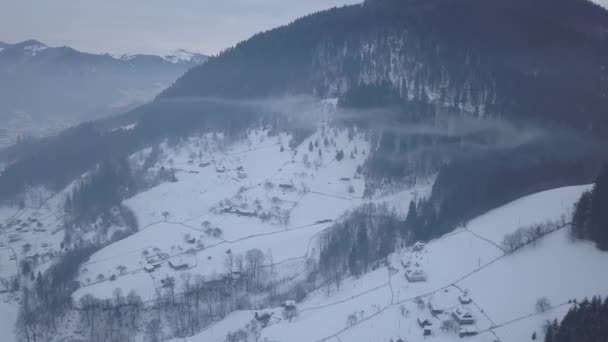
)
(384, 171)
(225, 202)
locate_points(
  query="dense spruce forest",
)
(590, 219)
(470, 186)
(587, 321)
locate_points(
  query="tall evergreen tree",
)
(599, 210)
(590, 218)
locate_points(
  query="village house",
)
(414, 276)
(463, 316)
(240, 212)
(426, 325)
(464, 299)
(151, 267)
(179, 264)
(467, 331)
(439, 304)
(157, 256)
(418, 246)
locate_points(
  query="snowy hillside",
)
(277, 205)
(230, 197)
(382, 305)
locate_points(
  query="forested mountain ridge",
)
(541, 61)
(528, 59)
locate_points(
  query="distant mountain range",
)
(33, 50)
(42, 86)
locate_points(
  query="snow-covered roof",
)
(419, 245)
(464, 298)
(442, 301)
(289, 303)
(179, 262)
(150, 267)
(425, 321)
(463, 316)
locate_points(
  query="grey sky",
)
(149, 26)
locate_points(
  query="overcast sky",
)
(148, 26)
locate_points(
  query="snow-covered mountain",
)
(33, 48)
(179, 56)
(47, 88)
(183, 56)
(397, 170)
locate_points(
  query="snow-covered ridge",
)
(32, 48)
(182, 56)
(176, 57)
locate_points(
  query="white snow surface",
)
(303, 193)
(296, 191)
(504, 288)
(8, 314)
(179, 56)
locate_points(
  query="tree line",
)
(587, 321)
(468, 187)
(365, 237)
(590, 218)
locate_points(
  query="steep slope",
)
(382, 305)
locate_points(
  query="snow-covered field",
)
(256, 192)
(383, 306)
(8, 313)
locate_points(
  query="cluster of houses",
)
(413, 269)
(444, 303)
(155, 259)
(289, 306)
(177, 264)
(239, 212)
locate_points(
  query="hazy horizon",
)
(158, 27)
